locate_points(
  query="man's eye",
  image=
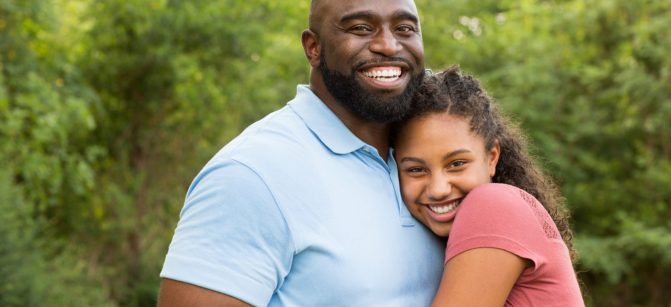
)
(405, 28)
(361, 28)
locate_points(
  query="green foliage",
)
(46, 117)
(108, 109)
(32, 272)
(589, 82)
(107, 94)
(175, 80)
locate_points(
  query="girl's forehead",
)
(438, 125)
(443, 117)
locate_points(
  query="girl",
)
(466, 174)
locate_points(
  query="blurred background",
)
(109, 108)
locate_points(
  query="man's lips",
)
(380, 63)
(389, 73)
(383, 73)
(383, 61)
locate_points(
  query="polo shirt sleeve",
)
(497, 216)
(231, 237)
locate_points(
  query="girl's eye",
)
(415, 170)
(457, 163)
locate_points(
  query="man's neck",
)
(372, 133)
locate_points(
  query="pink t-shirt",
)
(506, 217)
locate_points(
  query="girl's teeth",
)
(444, 209)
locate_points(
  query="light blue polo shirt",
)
(297, 211)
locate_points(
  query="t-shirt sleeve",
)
(498, 216)
(231, 237)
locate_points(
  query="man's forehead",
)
(331, 11)
(322, 9)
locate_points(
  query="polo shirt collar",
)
(330, 130)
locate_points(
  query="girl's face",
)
(440, 160)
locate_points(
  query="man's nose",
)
(385, 43)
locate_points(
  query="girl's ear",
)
(493, 158)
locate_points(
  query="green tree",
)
(175, 80)
(44, 116)
(589, 82)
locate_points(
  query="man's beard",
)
(364, 104)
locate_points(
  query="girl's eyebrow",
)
(447, 156)
(411, 159)
(455, 152)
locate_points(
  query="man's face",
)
(372, 58)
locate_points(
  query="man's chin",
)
(372, 100)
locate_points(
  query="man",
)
(303, 208)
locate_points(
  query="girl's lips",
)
(444, 212)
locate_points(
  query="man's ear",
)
(311, 47)
(494, 155)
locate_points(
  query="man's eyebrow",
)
(405, 15)
(358, 15)
(367, 15)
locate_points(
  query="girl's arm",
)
(479, 277)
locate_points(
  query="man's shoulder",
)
(260, 152)
(280, 139)
(282, 129)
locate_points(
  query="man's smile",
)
(384, 74)
(387, 76)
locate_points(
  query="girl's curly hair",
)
(462, 95)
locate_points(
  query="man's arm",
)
(231, 238)
(176, 293)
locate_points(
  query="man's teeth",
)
(444, 209)
(384, 75)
